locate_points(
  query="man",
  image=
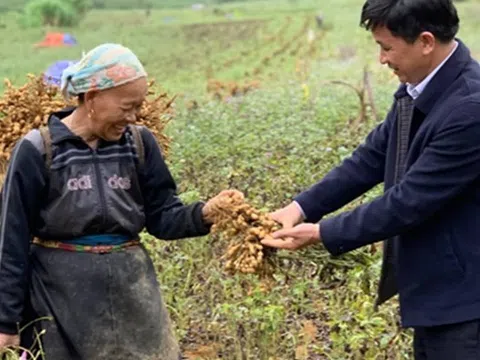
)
(427, 153)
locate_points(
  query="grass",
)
(271, 144)
(17, 5)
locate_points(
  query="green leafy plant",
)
(61, 13)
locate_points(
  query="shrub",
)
(54, 12)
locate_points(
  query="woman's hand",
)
(7, 340)
(213, 203)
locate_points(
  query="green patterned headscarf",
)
(104, 67)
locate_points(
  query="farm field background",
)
(267, 102)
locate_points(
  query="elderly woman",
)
(86, 278)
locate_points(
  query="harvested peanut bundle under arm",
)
(29, 106)
(245, 227)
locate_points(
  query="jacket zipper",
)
(389, 243)
(103, 200)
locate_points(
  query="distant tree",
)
(55, 12)
(80, 6)
(98, 4)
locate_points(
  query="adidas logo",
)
(117, 182)
(81, 183)
(85, 183)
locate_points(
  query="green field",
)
(271, 143)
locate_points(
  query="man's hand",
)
(296, 238)
(7, 340)
(216, 201)
(289, 216)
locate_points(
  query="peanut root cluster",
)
(245, 227)
(29, 107)
(23, 109)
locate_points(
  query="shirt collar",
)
(415, 90)
(59, 131)
(451, 70)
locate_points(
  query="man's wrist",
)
(302, 216)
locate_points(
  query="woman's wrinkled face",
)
(110, 111)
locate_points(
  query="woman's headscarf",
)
(104, 67)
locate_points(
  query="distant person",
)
(427, 153)
(319, 20)
(107, 180)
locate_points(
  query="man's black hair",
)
(409, 18)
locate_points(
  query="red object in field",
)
(55, 39)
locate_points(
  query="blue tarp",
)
(69, 39)
(53, 75)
